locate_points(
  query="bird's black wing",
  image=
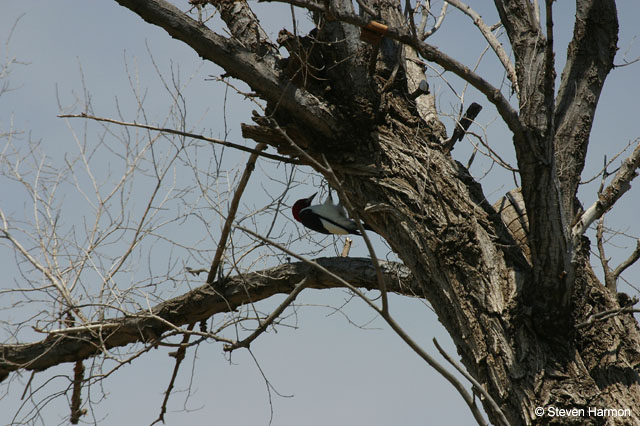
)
(312, 221)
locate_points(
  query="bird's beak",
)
(311, 198)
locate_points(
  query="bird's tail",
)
(342, 209)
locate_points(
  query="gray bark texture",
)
(509, 282)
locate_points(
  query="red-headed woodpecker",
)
(326, 218)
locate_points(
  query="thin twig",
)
(468, 399)
(422, 34)
(244, 343)
(315, 163)
(635, 255)
(26, 388)
(607, 163)
(312, 263)
(233, 208)
(331, 176)
(179, 355)
(475, 383)
(363, 233)
(491, 39)
(60, 286)
(182, 133)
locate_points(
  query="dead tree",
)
(512, 284)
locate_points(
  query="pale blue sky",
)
(337, 373)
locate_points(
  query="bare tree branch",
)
(620, 184)
(76, 401)
(262, 327)
(431, 53)
(196, 305)
(239, 63)
(233, 208)
(476, 385)
(331, 176)
(386, 315)
(605, 315)
(245, 26)
(590, 58)
(422, 34)
(633, 258)
(60, 286)
(187, 134)
(491, 39)
(179, 356)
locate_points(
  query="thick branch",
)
(589, 60)
(238, 62)
(523, 29)
(431, 53)
(244, 26)
(527, 42)
(199, 304)
(549, 235)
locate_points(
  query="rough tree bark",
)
(71, 344)
(510, 300)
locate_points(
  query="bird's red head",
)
(301, 204)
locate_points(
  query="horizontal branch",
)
(199, 304)
(186, 134)
(620, 184)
